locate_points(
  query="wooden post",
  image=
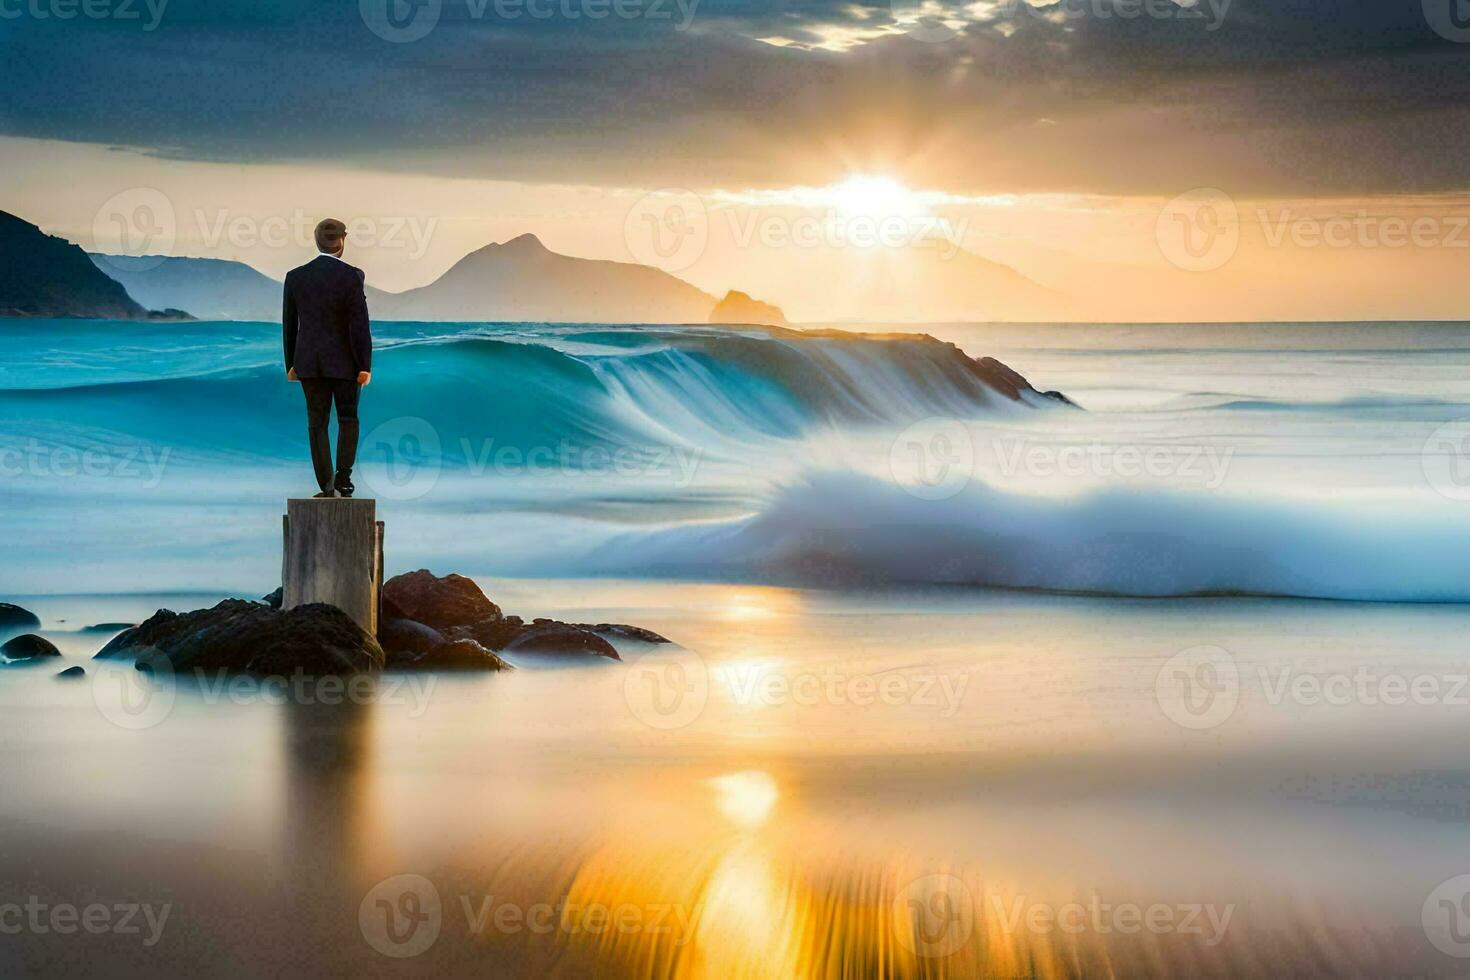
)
(333, 553)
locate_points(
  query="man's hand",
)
(363, 378)
(291, 374)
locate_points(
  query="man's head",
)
(331, 237)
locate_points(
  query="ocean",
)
(1169, 681)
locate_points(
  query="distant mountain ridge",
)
(210, 289)
(522, 279)
(42, 275)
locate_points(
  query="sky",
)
(1113, 151)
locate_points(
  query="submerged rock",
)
(404, 641)
(72, 674)
(623, 631)
(13, 617)
(492, 634)
(28, 646)
(440, 602)
(460, 655)
(237, 635)
(548, 636)
(1009, 382)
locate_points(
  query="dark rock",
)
(388, 609)
(547, 636)
(452, 600)
(108, 627)
(72, 674)
(28, 646)
(237, 635)
(404, 641)
(1009, 381)
(460, 655)
(274, 599)
(623, 631)
(492, 634)
(15, 618)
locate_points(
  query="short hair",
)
(330, 235)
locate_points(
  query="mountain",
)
(946, 285)
(738, 308)
(211, 289)
(42, 275)
(524, 280)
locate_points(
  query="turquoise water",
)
(1308, 460)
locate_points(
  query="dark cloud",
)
(1256, 96)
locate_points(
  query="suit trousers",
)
(321, 394)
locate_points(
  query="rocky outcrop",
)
(108, 627)
(28, 646)
(250, 637)
(13, 618)
(74, 673)
(459, 655)
(548, 636)
(1009, 382)
(441, 602)
(622, 631)
(740, 308)
(405, 641)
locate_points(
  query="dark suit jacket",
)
(325, 316)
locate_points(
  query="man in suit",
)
(329, 349)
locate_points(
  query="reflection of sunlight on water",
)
(746, 797)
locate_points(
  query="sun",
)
(874, 196)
